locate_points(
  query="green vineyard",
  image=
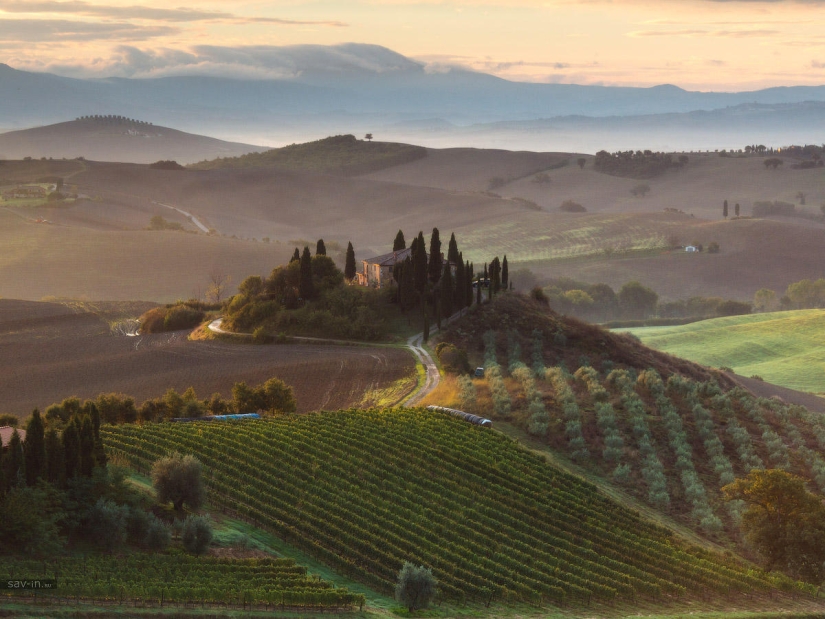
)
(365, 491)
(176, 579)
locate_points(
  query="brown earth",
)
(49, 352)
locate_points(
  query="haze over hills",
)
(289, 94)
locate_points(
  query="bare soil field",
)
(49, 352)
(42, 260)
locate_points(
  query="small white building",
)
(691, 249)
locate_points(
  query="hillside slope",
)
(785, 348)
(367, 490)
(107, 139)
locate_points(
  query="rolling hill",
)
(116, 139)
(784, 348)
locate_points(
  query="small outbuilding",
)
(691, 249)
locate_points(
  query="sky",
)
(728, 45)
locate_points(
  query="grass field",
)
(785, 348)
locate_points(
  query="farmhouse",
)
(691, 249)
(6, 432)
(377, 272)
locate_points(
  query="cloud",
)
(736, 34)
(78, 7)
(251, 62)
(56, 30)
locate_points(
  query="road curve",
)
(431, 376)
(186, 214)
(415, 344)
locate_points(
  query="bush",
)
(568, 206)
(197, 534)
(172, 318)
(416, 586)
(107, 524)
(158, 535)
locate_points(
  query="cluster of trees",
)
(308, 296)
(600, 303)
(804, 294)
(638, 164)
(181, 315)
(114, 408)
(111, 119)
(166, 164)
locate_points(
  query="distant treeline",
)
(804, 294)
(637, 164)
(111, 119)
(633, 302)
(343, 155)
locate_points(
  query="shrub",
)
(452, 358)
(197, 534)
(568, 206)
(107, 524)
(158, 535)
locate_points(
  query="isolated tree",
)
(505, 273)
(640, 190)
(399, 243)
(305, 286)
(197, 534)
(416, 586)
(349, 263)
(784, 522)
(736, 209)
(725, 209)
(177, 479)
(801, 197)
(320, 248)
(773, 162)
(368, 137)
(217, 284)
(35, 451)
(435, 257)
(296, 256)
(581, 161)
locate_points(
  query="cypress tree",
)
(55, 463)
(87, 447)
(725, 209)
(320, 248)
(486, 274)
(100, 453)
(435, 256)
(460, 289)
(495, 276)
(736, 209)
(406, 289)
(15, 462)
(452, 250)
(35, 451)
(349, 265)
(468, 281)
(71, 451)
(296, 256)
(399, 243)
(446, 286)
(505, 274)
(305, 286)
(420, 265)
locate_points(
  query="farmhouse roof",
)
(7, 431)
(390, 259)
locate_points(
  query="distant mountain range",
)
(352, 88)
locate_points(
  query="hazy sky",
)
(697, 44)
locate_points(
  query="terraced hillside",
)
(174, 579)
(365, 491)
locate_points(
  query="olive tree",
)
(178, 479)
(416, 586)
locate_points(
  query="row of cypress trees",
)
(53, 457)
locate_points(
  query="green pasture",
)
(784, 348)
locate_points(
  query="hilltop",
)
(115, 138)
